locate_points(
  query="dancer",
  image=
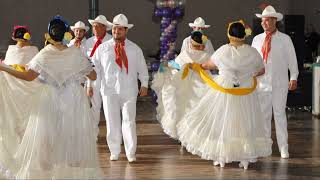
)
(176, 96)
(198, 25)
(59, 141)
(120, 62)
(277, 51)
(22, 52)
(226, 125)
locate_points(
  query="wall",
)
(37, 13)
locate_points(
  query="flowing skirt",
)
(59, 141)
(176, 96)
(225, 127)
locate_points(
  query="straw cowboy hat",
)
(79, 25)
(269, 11)
(121, 20)
(102, 20)
(199, 22)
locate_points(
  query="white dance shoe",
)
(244, 164)
(216, 163)
(132, 158)
(114, 157)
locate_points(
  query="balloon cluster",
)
(169, 11)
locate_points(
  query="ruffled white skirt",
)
(225, 127)
(59, 141)
(176, 97)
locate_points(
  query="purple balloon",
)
(164, 48)
(178, 12)
(164, 43)
(157, 12)
(155, 66)
(166, 12)
(162, 52)
(164, 25)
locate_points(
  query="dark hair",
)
(19, 33)
(56, 29)
(237, 30)
(197, 36)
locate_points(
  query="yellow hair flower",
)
(248, 31)
(47, 36)
(204, 39)
(27, 36)
(67, 36)
(18, 67)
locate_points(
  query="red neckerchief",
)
(121, 56)
(96, 45)
(266, 47)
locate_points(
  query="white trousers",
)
(114, 107)
(275, 101)
(96, 101)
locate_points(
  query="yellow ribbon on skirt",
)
(207, 79)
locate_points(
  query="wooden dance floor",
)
(159, 157)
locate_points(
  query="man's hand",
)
(89, 91)
(293, 85)
(143, 91)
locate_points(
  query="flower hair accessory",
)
(204, 39)
(23, 34)
(67, 36)
(27, 36)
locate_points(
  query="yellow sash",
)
(207, 79)
(18, 67)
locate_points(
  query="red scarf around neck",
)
(121, 56)
(96, 45)
(266, 47)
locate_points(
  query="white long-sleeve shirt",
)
(88, 47)
(82, 45)
(187, 43)
(115, 80)
(281, 58)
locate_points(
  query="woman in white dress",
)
(22, 52)
(14, 121)
(177, 95)
(59, 141)
(226, 125)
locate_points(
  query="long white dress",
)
(13, 122)
(225, 127)
(177, 96)
(60, 139)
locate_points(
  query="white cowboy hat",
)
(199, 22)
(102, 20)
(121, 20)
(79, 25)
(269, 11)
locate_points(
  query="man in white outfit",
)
(79, 30)
(198, 25)
(120, 63)
(100, 26)
(279, 55)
